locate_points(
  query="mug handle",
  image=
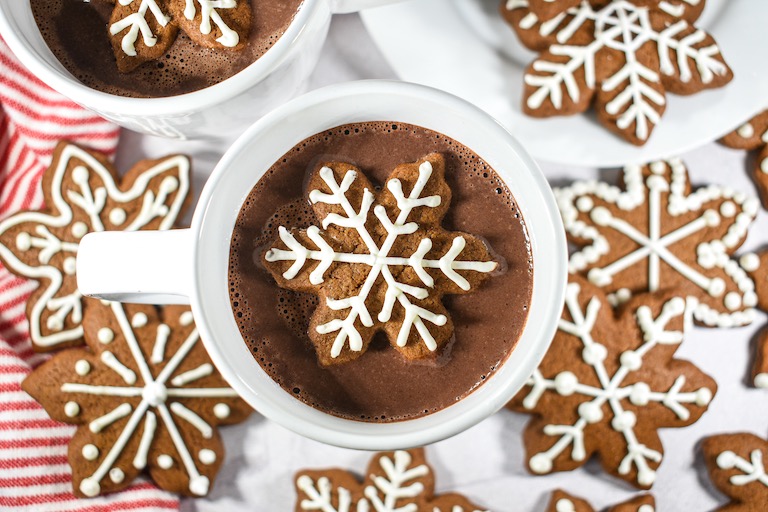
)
(347, 6)
(144, 267)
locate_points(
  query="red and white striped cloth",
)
(34, 473)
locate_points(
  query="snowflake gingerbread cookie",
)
(753, 135)
(144, 395)
(381, 262)
(620, 56)
(82, 195)
(654, 232)
(608, 383)
(143, 30)
(399, 481)
(736, 464)
(561, 501)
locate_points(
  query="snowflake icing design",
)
(753, 135)
(404, 289)
(144, 396)
(657, 231)
(736, 464)
(608, 383)
(157, 22)
(578, 61)
(82, 196)
(564, 502)
(398, 481)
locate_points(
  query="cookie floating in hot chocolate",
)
(382, 262)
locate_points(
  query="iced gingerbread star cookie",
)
(608, 383)
(622, 57)
(145, 397)
(561, 501)
(379, 261)
(143, 30)
(83, 194)
(653, 232)
(736, 464)
(395, 481)
(753, 135)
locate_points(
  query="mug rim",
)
(544, 311)
(181, 104)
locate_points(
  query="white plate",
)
(463, 46)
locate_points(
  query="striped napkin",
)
(34, 472)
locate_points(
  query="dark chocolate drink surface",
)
(78, 34)
(381, 385)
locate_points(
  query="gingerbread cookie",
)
(753, 135)
(561, 501)
(144, 395)
(756, 264)
(394, 481)
(83, 194)
(653, 231)
(142, 30)
(381, 261)
(736, 464)
(608, 383)
(620, 56)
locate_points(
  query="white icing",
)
(165, 461)
(750, 262)
(208, 14)
(139, 320)
(646, 508)
(761, 380)
(158, 350)
(109, 359)
(752, 470)
(69, 266)
(610, 393)
(192, 375)
(71, 409)
(90, 487)
(117, 216)
(95, 187)
(565, 505)
(186, 318)
(193, 419)
(207, 456)
(137, 22)
(119, 412)
(105, 335)
(746, 131)
(82, 367)
(624, 27)
(116, 475)
(378, 259)
(147, 435)
(764, 165)
(90, 452)
(657, 245)
(221, 411)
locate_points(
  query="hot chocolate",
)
(382, 380)
(78, 34)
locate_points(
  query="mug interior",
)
(20, 31)
(263, 144)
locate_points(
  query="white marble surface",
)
(486, 463)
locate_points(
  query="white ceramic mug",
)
(192, 264)
(222, 110)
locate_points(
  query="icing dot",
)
(761, 380)
(154, 393)
(79, 229)
(703, 397)
(207, 456)
(116, 475)
(594, 353)
(599, 277)
(591, 412)
(89, 486)
(732, 301)
(646, 508)
(165, 461)
(640, 394)
(624, 421)
(716, 287)
(601, 216)
(764, 166)
(105, 335)
(750, 262)
(565, 505)
(69, 266)
(221, 411)
(726, 460)
(71, 409)
(565, 383)
(646, 477)
(584, 204)
(54, 323)
(540, 464)
(170, 183)
(728, 209)
(117, 216)
(82, 367)
(658, 167)
(186, 318)
(23, 241)
(139, 320)
(80, 175)
(631, 360)
(90, 452)
(746, 131)
(199, 485)
(711, 218)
